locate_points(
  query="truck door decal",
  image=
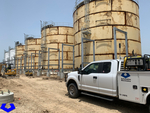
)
(125, 75)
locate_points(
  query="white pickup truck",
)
(108, 78)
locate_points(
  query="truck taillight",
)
(144, 89)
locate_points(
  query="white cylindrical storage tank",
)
(103, 16)
(33, 47)
(18, 55)
(55, 37)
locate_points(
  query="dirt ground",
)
(35, 95)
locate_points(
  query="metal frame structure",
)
(25, 61)
(49, 60)
(39, 64)
(40, 52)
(14, 61)
(31, 60)
(28, 61)
(82, 50)
(39, 60)
(25, 52)
(63, 56)
(17, 65)
(115, 41)
(34, 61)
(21, 64)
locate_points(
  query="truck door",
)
(128, 84)
(89, 78)
(106, 79)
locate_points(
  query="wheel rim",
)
(72, 90)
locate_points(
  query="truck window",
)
(118, 66)
(106, 67)
(100, 69)
(93, 68)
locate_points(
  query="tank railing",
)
(51, 24)
(77, 2)
(27, 36)
(63, 24)
(45, 23)
(137, 1)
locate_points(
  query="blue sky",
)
(23, 16)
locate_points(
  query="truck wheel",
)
(149, 108)
(73, 90)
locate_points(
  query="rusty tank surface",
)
(103, 16)
(33, 46)
(55, 36)
(19, 53)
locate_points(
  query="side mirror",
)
(80, 71)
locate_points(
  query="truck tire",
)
(149, 108)
(148, 104)
(73, 91)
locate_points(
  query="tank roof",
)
(82, 3)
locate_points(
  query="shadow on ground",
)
(121, 106)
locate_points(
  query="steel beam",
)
(63, 56)
(82, 49)
(49, 59)
(115, 41)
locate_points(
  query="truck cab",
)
(110, 78)
(97, 77)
